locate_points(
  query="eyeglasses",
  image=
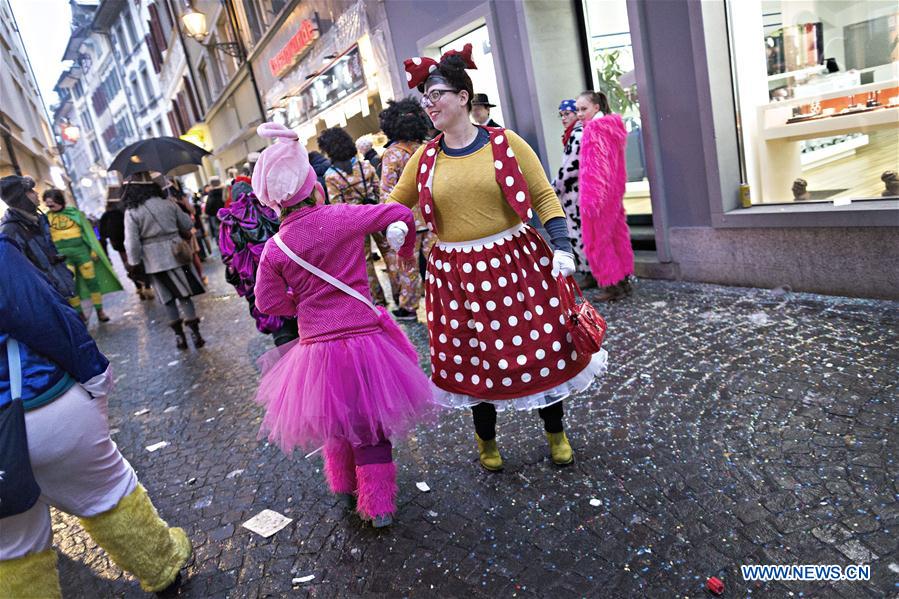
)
(433, 96)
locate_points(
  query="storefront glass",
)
(484, 77)
(817, 84)
(612, 56)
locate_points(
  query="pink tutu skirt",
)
(363, 389)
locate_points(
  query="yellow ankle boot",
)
(32, 575)
(560, 449)
(139, 541)
(489, 454)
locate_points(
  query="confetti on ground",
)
(210, 419)
(595, 502)
(423, 487)
(173, 363)
(168, 392)
(266, 523)
(234, 473)
(170, 409)
(302, 579)
(157, 446)
(142, 412)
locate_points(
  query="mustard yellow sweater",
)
(468, 202)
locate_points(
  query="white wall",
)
(556, 59)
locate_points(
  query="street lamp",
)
(71, 133)
(195, 24)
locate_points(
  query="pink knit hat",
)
(282, 176)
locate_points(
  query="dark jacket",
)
(374, 160)
(215, 201)
(320, 165)
(112, 227)
(55, 348)
(35, 241)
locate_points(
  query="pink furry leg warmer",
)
(377, 490)
(340, 467)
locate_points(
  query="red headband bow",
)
(418, 69)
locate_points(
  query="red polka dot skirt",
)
(496, 326)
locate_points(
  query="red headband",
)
(418, 69)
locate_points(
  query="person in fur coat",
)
(607, 241)
(566, 186)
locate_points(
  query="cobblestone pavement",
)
(735, 426)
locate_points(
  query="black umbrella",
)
(158, 154)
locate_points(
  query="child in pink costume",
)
(352, 380)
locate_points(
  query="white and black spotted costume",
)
(566, 186)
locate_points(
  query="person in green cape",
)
(75, 239)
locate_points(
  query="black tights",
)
(485, 419)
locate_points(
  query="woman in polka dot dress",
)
(497, 330)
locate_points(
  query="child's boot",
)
(489, 454)
(140, 542)
(377, 493)
(560, 449)
(340, 470)
(32, 575)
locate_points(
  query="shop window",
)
(817, 87)
(612, 68)
(483, 78)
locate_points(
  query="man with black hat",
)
(30, 230)
(480, 111)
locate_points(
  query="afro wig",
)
(405, 120)
(337, 144)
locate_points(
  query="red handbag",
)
(586, 325)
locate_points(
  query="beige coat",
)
(150, 230)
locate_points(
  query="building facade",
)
(762, 155)
(26, 143)
(110, 92)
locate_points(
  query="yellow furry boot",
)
(489, 454)
(139, 541)
(560, 449)
(33, 575)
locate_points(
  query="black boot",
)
(194, 326)
(180, 339)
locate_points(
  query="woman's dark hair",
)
(452, 68)
(337, 144)
(404, 120)
(56, 195)
(135, 194)
(599, 99)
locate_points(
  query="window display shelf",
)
(799, 73)
(836, 124)
(780, 161)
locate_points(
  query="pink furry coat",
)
(607, 240)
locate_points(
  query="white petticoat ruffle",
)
(580, 382)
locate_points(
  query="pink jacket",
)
(330, 237)
(607, 240)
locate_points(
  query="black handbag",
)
(19, 490)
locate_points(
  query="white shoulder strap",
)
(323, 275)
(15, 368)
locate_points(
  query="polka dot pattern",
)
(494, 319)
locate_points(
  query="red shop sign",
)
(299, 43)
